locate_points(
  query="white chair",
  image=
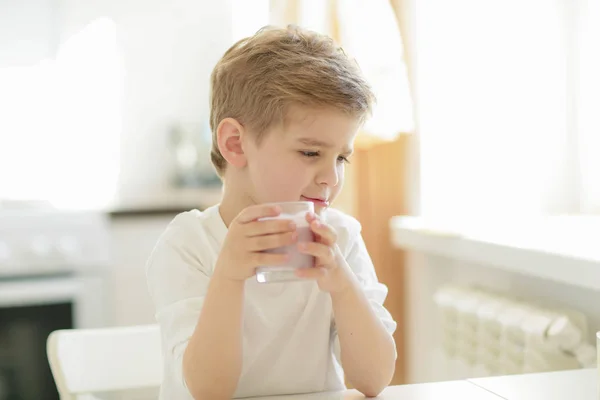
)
(87, 361)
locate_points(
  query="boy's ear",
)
(229, 138)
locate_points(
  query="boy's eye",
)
(312, 154)
(342, 159)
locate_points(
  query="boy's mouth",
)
(317, 201)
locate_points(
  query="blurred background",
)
(477, 180)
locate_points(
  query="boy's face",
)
(304, 161)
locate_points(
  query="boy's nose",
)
(329, 176)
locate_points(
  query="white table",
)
(451, 390)
(563, 385)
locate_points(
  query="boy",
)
(286, 105)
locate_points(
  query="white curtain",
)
(368, 31)
(508, 119)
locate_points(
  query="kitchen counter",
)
(169, 203)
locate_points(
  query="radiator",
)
(483, 333)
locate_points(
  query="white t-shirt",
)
(290, 342)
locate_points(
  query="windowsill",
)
(562, 249)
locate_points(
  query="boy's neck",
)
(232, 203)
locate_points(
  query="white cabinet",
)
(134, 237)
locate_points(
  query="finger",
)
(325, 233)
(311, 273)
(269, 259)
(269, 242)
(268, 227)
(323, 253)
(311, 216)
(253, 213)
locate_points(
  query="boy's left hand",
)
(330, 270)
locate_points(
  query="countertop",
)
(170, 202)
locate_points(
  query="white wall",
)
(425, 273)
(169, 49)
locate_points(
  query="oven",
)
(53, 275)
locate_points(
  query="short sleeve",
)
(376, 292)
(177, 282)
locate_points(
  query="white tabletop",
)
(581, 384)
(452, 390)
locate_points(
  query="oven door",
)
(30, 309)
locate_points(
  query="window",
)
(60, 125)
(587, 101)
(508, 99)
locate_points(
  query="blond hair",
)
(260, 77)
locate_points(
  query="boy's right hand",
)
(248, 238)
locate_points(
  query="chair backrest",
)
(85, 361)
